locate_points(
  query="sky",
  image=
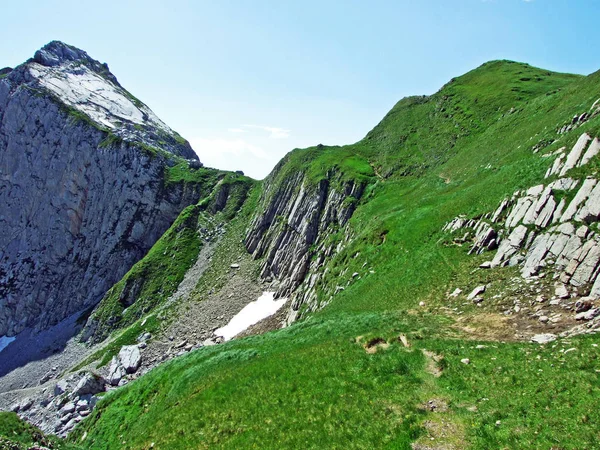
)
(247, 81)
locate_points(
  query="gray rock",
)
(592, 151)
(588, 315)
(475, 292)
(116, 371)
(130, 358)
(308, 211)
(581, 196)
(68, 408)
(91, 383)
(575, 153)
(560, 290)
(78, 206)
(544, 338)
(60, 388)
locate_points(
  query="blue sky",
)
(247, 81)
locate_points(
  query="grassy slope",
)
(16, 434)
(153, 279)
(312, 385)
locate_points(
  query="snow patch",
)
(5, 341)
(253, 312)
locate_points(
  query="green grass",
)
(260, 392)
(311, 385)
(153, 279)
(16, 434)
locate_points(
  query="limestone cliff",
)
(82, 185)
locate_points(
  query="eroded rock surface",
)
(83, 196)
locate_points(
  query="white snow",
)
(252, 313)
(5, 341)
(85, 90)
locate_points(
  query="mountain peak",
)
(56, 52)
(85, 85)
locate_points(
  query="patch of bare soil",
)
(375, 344)
(433, 359)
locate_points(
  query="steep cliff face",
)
(82, 196)
(295, 229)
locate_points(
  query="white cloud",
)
(275, 133)
(236, 130)
(221, 147)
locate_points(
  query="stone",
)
(60, 388)
(535, 256)
(544, 319)
(519, 211)
(456, 292)
(575, 153)
(91, 383)
(590, 211)
(544, 338)
(235, 266)
(68, 408)
(556, 166)
(592, 151)
(560, 290)
(130, 358)
(116, 371)
(581, 196)
(465, 361)
(485, 265)
(588, 315)
(509, 246)
(25, 404)
(563, 184)
(583, 305)
(92, 206)
(476, 292)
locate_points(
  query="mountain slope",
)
(83, 185)
(394, 360)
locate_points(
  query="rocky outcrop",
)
(541, 230)
(292, 227)
(82, 197)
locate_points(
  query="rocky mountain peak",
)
(85, 88)
(58, 53)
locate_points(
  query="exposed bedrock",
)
(78, 209)
(295, 219)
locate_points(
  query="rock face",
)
(539, 230)
(295, 219)
(82, 188)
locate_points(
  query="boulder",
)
(543, 338)
(91, 383)
(476, 292)
(60, 388)
(116, 371)
(130, 358)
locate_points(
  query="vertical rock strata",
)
(297, 217)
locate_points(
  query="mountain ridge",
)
(401, 328)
